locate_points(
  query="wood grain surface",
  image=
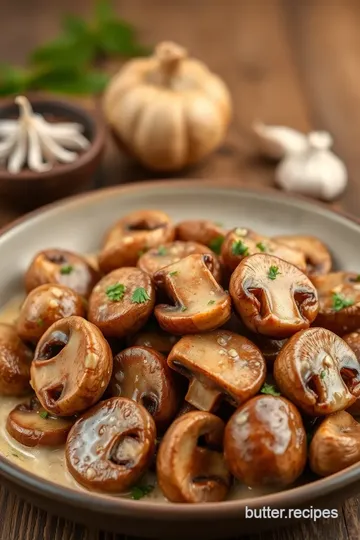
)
(292, 62)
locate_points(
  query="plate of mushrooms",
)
(173, 353)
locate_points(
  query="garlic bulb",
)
(275, 142)
(33, 142)
(167, 110)
(314, 171)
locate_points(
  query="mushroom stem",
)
(202, 397)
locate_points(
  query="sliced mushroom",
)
(272, 296)
(155, 339)
(188, 472)
(339, 301)
(157, 258)
(218, 364)
(240, 243)
(44, 306)
(15, 360)
(32, 426)
(62, 267)
(201, 304)
(318, 371)
(111, 445)
(265, 442)
(317, 255)
(133, 234)
(122, 302)
(142, 374)
(203, 231)
(71, 367)
(335, 444)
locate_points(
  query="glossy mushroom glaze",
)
(204, 392)
(273, 297)
(62, 267)
(339, 301)
(157, 258)
(133, 235)
(318, 372)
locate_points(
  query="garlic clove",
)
(275, 142)
(51, 146)
(18, 158)
(34, 157)
(8, 127)
(6, 146)
(316, 171)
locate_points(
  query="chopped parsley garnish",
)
(339, 302)
(138, 492)
(162, 250)
(273, 272)
(40, 322)
(43, 414)
(211, 302)
(66, 269)
(323, 374)
(115, 292)
(15, 455)
(183, 308)
(269, 389)
(216, 243)
(261, 246)
(174, 273)
(140, 296)
(357, 278)
(239, 248)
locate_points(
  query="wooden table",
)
(286, 62)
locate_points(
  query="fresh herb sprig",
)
(138, 492)
(270, 389)
(67, 64)
(140, 296)
(239, 248)
(340, 302)
(273, 272)
(115, 292)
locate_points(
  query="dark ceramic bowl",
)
(90, 215)
(28, 189)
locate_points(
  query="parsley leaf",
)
(323, 374)
(270, 389)
(261, 246)
(183, 308)
(66, 269)
(216, 243)
(357, 278)
(140, 296)
(211, 302)
(115, 292)
(273, 272)
(239, 248)
(162, 250)
(175, 273)
(40, 322)
(43, 414)
(339, 302)
(138, 492)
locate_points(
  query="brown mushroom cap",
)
(203, 231)
(201, 304)
(118, 316)
(318, 371)
(63, 267)
(335, 444)
(265, 442)
(15, 360)
(110, 447)
(32, 426)
(218, 364)
(44, 306)
(155, 339)
(133, 234)
(142, 374)
(187, 472)
(272, 296)
(317, 255)
(157, 258)
(339, 301)
(240, 243)
(71, 367)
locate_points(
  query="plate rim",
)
(293, 497)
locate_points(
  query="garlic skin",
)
(276, 142)
(315, 171)
(168, 110)
(33, 142)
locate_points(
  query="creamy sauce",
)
(49, 463)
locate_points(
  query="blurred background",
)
(286, 62)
